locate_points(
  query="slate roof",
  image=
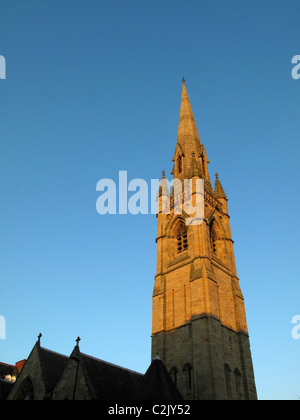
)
(52, 365)
(109, 381)
(157, 384)
(105, 381)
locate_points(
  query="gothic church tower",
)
(199, 326)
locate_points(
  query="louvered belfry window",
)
(182, 243)
(179, 161)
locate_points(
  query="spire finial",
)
(77, 341)
(217, 176)
(183, 79)
(163, 174)
(39, 337)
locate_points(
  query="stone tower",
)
(199, 325)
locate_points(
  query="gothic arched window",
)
(181, 236)
(188, 376)
(228, 382)
(26, 390)
(174, 374)
(238, 383)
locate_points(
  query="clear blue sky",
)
(93, 87)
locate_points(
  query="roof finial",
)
(39, 337)
(77, 341)
(163, 174)
(183, 79)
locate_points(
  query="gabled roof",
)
(52, 365)
(157, 384)
(109, 381)
(104, 380)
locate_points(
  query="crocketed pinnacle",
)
(163, 186)
(219, 190)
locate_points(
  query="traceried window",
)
(182, 243)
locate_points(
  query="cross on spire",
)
(77, 341)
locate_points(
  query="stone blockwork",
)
(199, 325)
(208, 347)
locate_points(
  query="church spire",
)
(196, 293)
(188, 140)
(188, 135)
(190, 157)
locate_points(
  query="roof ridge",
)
(54, 352)
(110, 364)
(7, 364)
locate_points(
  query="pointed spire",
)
(219, 190)
(187, 125)
(190, 157)
(188, 140)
